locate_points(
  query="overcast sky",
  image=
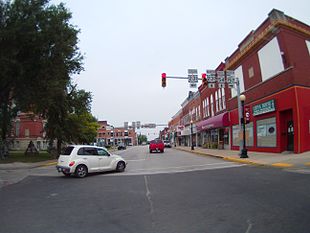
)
(129, 43)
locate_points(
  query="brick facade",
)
(109, 135)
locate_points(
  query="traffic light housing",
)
(204, 78)
(163, 80)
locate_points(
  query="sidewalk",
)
(299, 161)
(19, 165)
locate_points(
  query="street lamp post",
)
(192, 144)
(244, 151)
(175, 138)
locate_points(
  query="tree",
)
(141, 139)
(71, 121)
(39, 55)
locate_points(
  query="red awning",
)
(217, 121)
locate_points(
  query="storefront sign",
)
(263, 108)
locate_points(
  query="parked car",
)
(83, 159)
(121, 146)
(167, 143)
(157, 145)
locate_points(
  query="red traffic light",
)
(163, 79)
(204, 78)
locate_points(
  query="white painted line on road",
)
(135, 160)
(149, 172)
(181, 167)
(148, 194)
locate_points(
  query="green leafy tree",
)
(39, 55)
(141, 139)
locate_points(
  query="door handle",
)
(85, 158)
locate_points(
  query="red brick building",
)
(214, 128)
(272, 64)
(110, 135)
(28, 127)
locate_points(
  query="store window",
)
(235, 135)
(266, 132)
(249, 135)
(223, 98)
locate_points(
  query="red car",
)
(157, 145)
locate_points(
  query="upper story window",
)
(207, 107)
(239, 75)
(270, 59)
(211, 105)
(251, 72)
(27, 133)
(308, 45)
(223, 98)
(220, 99)
(203, 108)
(216, 102)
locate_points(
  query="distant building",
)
(110, 135)
(28, 127)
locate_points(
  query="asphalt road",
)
(214, 197)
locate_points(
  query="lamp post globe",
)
(242, 98)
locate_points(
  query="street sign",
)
(211, 76)
(192, 76)
(230, 78)
(221, 77)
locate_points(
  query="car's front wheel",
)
(81, 171)
(120, 167)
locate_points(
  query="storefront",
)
(187, 134)
(277, 123)
(214, 132)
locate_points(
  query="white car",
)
(83, 159)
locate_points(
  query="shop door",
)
(290, 136)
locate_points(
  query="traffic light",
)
(204, 78)
(163, 79)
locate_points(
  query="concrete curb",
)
(237, 160)
(20, 166)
